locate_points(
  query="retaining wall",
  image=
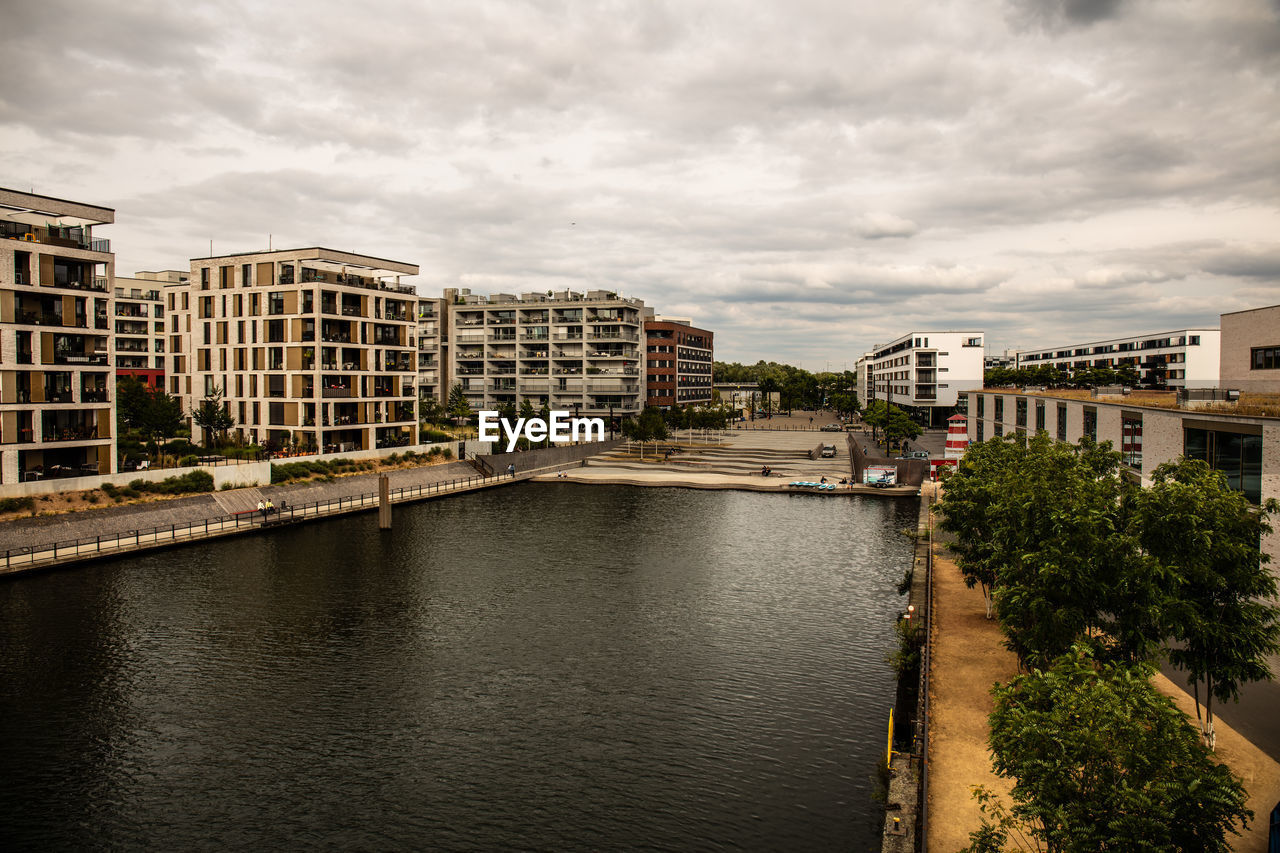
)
(547, 456)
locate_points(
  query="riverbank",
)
(968, 658)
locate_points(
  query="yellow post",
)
(888, 752)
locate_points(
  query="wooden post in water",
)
(384, 502)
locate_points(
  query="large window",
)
(1091, 422)
(982, 407)
(1131, 439)
(1020, 412)
(1237, 455)
(1265, 358)
(1039, 416)
(999, 409)
(1062, 422)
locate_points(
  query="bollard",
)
(384, 502)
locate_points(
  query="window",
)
(245, 278)
(1020, 412)
(1091, 422)
(999, 411)
(1039, 415)
(1062, 422)
(1265, 358)
(979, 436)
(1237, 455)
(1131, 439)
(982, 406)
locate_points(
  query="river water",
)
(537, 667)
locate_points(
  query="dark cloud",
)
(804, 176)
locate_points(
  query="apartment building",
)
(433, 350)
(139, 326)
(309, 348)
(1187, 358)
(1244, 448)
(1249, 357)
(569, 351)
(924, 372)
(678, 361)
(56, 282)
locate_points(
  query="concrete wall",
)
(1241, 332)
(243, 474)
(546, 456)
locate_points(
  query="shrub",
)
(188, 461)
(110, 489)
(17, 504)
(446, 453)
(431, 436)
(393, 459)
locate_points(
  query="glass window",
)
(1020, 413)
(1039, 415)
(1062, 422)
(980, 435)
(1131, 440)
(999, 410)
(1237, 455)
(982, 407)
(1091, 422)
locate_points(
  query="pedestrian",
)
(270, 508)
(511, 469)
(262, 508)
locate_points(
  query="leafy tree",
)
(1103, 761)
(163, 415)
(430, 411)
(131, 402)
(213, 415)
(970, 501)
(1221, 612)
(526, 409)
(648, 427)
(458, 407)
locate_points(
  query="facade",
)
(568, 351)
(678, 364)
(139, 327)
(56, 306)
(433, 350)
(1183, 359)
(1250, 350)
(308, 348)
(924, 372)
(1245, 449)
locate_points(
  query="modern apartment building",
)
(577, 352)
(139, 326)
(1187, 358)
(679, 358)
(1250, 350)
(56, 281)
(923, 372)
(433, 350)
(1244, 448)
(308, 348)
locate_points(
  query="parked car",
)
(832, 428)
(828, 451)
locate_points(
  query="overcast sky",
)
(805, 178)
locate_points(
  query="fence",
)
(923, 835)
(33, 556)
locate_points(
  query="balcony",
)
(338, 391)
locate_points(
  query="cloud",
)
(825, 172)
(876, 226)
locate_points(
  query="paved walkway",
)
(734, 462)
(112, 521)
(968, 659)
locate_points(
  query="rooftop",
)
(1249, 404)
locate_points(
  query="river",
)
(536, 667)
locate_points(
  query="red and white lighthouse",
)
(957, 436)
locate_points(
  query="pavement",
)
(114, 520)
(731, 459)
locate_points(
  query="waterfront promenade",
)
(968, 657)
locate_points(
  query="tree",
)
(430, 410)
(213, 416)
(458, 407)
(1103, 761)
(1221, 612)
(648, 427)
(131, 402)
(162, 415)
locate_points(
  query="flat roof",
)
(33, 209)
(1247, 310)
(330, 256)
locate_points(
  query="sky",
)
(807, 179)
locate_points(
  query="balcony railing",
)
(336, 392)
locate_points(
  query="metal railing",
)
(31, 556)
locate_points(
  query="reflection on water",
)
(546, 666)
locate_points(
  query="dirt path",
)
(967, 659)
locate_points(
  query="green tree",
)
(162, 415)
(1221, 613)
(458, 407)
(430, 411)
(213, 416)
(1103, 761)
(131, 402)
(650, 426)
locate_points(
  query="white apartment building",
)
(1188, 358)
(577, 352)
(56, 383)
(924, 372)
(433, 349)
(310, 348)
(139, 326)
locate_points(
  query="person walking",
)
(511, 469)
